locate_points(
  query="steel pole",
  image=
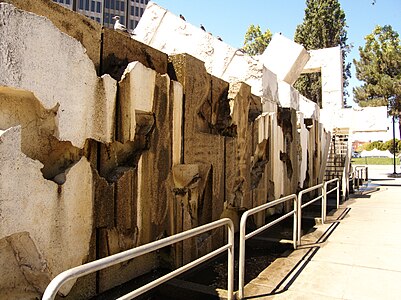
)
(394, 146)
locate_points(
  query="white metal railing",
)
(301, 206)
(103, 263)
(360, 175)
(244, 236)
(326, 192)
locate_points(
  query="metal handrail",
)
(244, 236)
(300, 206)
(326, 192)
(362, 170)
(103, 263)
(361, 175)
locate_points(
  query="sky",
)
(230, 20)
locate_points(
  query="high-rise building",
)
(102, 11)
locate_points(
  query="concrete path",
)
(355, 255)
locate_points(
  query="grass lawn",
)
(374, 161)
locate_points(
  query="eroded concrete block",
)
(137, 89)
(120, 50)
(285, 58)
(86, 31)
(166, 32)
(63, 236)
(36, 59)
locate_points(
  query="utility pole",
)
(394, 147)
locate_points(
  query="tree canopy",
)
(379, 68)
(255, 41)
(324, 25)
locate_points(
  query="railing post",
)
(230, 275)
(338, 194)
(299, 216)
(324, 202)
(241, 258)
(294, 232)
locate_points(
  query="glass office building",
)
(102, 11)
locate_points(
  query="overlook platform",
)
(355, 255)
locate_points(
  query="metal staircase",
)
(338, 160)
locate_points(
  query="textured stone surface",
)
(35, 60)
(62, 237)
(163, 30)
(119, 50)
(137, 88)
(83, 29)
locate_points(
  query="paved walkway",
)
(355, 255)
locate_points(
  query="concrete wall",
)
(107, 144)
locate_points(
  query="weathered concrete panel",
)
(163, 30)
(62, 238)
(86, 31)
(35, 60)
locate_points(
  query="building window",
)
(107, 4)
(137, 11)
(141, 11)
(122, 6)
(98, 20)
(141, 1)
(112, 4)
(87, 5)
(98, 7)
(122, 19)
(106, 18)
(92, 6)
(67, 2)
(132, 12)
(81, 4)
(131, 24)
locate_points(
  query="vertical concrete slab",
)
(302, 149)
(207, 117)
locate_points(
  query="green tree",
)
(255, 41)
(323, 26)
(379, 68)
(389, 145)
